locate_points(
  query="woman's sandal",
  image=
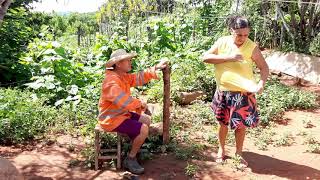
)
(243, 163)
(220, 159)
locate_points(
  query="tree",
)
(116, 14)
(19, 27)
(293, 26)
(4, 5)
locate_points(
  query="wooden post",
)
(166, 104)
(96, 149)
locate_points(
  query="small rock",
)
(9, 171)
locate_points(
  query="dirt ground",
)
(47, 162)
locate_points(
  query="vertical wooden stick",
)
(166, 104)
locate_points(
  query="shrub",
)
(277, 98)
(23, 115)
(315, 46)
(188, 74)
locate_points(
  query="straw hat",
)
(119, 55)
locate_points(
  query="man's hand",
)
(143, 106)
(162, 64)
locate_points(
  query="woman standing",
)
(234, 102)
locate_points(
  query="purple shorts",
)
(130, 127)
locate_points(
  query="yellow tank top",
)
(235, 76)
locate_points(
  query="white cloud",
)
(68, 5)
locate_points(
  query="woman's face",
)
(240, 35)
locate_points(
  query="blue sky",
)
(68, 5)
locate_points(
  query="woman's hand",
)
(236, 57)
(260, 87)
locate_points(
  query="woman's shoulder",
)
(250, 41)
(250, 44)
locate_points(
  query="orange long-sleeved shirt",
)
(116, 102)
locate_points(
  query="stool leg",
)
(97, 149)
(119, 151)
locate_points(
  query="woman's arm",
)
(262, 65)
(212, 56)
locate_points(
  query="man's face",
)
(240, 35)
(124, 65)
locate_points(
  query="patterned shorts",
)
(237, 109)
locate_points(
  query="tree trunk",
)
(79, 36)
(309, 31)
(237, 6)
(281, 35)
(4, 5)
(127, 29)
(303, 10)
(293, 20)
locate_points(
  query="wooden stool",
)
(98, 151)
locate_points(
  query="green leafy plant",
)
(314, 148)
(263, 136)
(191, 169)
(313, 145)
(237, 162)
(23, 115)
(56, 72)
(315, 46)
(188, 151)
(285, 139)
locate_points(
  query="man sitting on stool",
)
(118, 110)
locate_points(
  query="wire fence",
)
(138, 24)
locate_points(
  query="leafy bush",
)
(315, 46)
(188, 74)
(57, 71)
(15, 32)
(192, 116)
(23, 115)
(277, 98)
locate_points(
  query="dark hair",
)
(238, 22)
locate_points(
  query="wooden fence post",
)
(166, 104)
